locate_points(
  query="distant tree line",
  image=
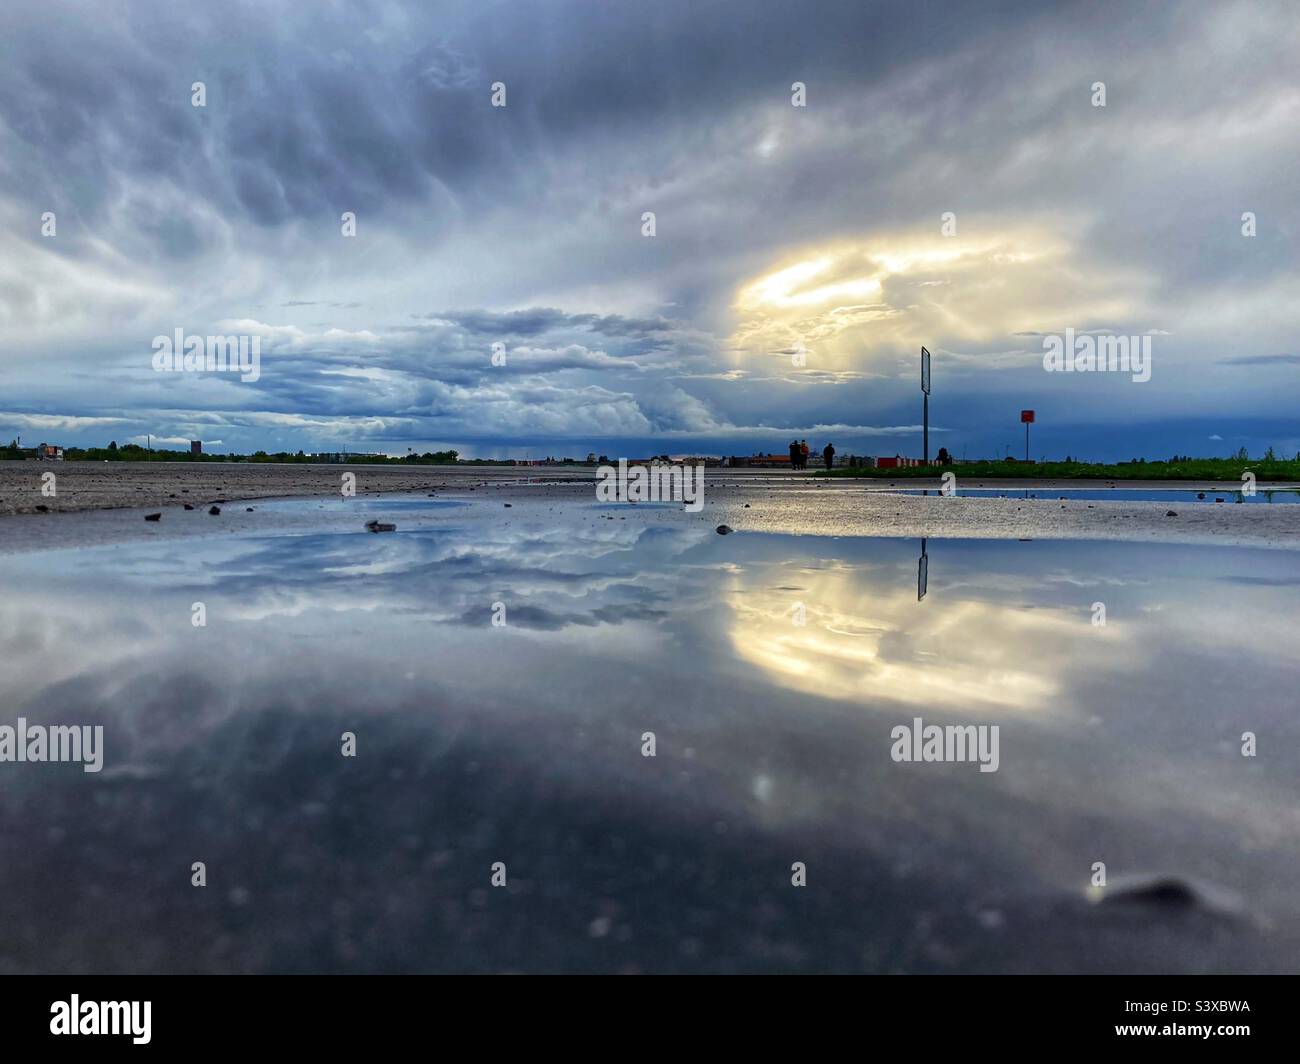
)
(133, 452)
(1179, 467)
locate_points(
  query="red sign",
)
(1027, 416)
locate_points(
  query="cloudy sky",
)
(782, 234)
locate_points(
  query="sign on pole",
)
(1027, 416)
(925, 371)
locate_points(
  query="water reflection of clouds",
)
(1000, 635)
(422, 574)
(526, 739)
(871, 644)
(1005, 627)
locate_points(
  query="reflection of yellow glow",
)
(862, 645)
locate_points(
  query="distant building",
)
(196, 446)
(48, 452)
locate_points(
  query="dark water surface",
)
(522, 744)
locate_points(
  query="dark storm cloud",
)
(312, 109)
(1129, 217)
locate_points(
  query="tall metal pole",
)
(925, 405)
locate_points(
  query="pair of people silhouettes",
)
(799, 454)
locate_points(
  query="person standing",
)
(803, 454)
(828, 454)
(794, 454)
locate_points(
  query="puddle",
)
(1270, 495)
(522, 744)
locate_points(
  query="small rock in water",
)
(153, 517)
(214, 510)
(508, 505)
(724, 529)
(1166, 892)
(380, 526)
(188, 506)
(248, 509)
(42, 509)
(1171, 513)
(1172, 893)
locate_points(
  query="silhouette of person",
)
(828, 454)
(794, 454)
(803, 454)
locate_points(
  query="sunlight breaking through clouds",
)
(855, 304)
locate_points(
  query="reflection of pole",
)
(1026, 441)
(926, 432)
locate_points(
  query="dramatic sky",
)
(783, 234)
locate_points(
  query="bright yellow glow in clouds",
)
(859, 304)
